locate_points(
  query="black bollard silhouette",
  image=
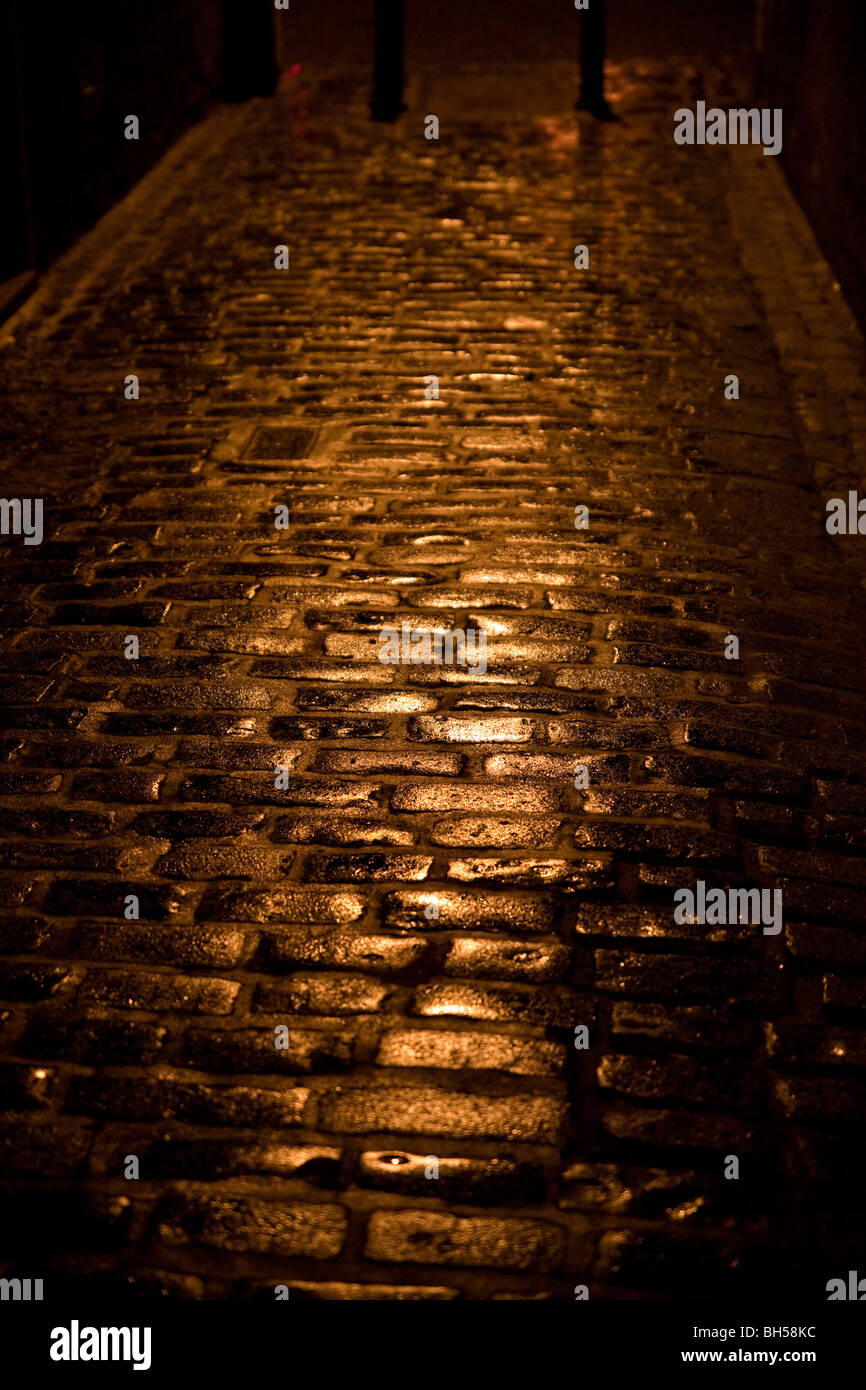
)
(388, 60)
(592, 46)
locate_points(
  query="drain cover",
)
(280, 442)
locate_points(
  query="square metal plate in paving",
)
(281, 442)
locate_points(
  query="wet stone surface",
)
(374, 909)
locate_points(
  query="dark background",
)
(68, 84)
(811, 63)
(503, 31)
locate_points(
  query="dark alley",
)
(353, 969)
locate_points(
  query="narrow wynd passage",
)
(332, 973)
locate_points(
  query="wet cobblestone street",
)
(422, 897)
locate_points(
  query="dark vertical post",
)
(592, 45)
(388, 60)
(249, 49)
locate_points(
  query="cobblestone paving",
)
(426, 901)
